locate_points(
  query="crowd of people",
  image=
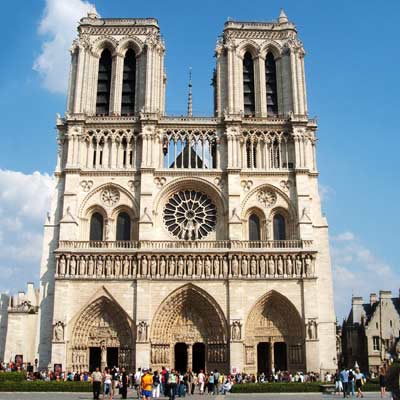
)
(350, 381)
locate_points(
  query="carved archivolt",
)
(274, 317)
(102, 323)
(189, 315)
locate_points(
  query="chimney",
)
(373, 298)
(357, 307)
(385, 294)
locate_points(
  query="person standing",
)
(201, 379)
(124, 384)
(190, 381)
(156, 384)
(146, 384)
(96, 382)
(137, 379)
(107, 384)
(351, 382)
(359, 378)
(216, 382)
(172, 382)
(344, 377)
(382, 382)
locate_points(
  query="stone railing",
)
(155, 245)
(195, 265)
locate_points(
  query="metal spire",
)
(190, 109)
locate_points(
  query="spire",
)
(190, 109)
(93, 12)
(283, 19)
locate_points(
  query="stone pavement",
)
(258, 396)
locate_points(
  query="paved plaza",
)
(258, 396)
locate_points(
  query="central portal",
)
(181, 357)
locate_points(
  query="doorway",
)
(280, 356)
(199, 357)
(94, 358)
(112, 357)
(181, 357)
(263, 361)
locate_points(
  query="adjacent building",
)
(371, 332)
(185, 241)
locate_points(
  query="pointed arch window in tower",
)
(104, 84)
(270, 82)
(123, 226)
(96, 227)
(128, 83)
(279, 227)
(248, 85)
(254, 227)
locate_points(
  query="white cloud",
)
(325, 192)
(58, 25)
(357, 271)
(24, 201)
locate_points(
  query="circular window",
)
(190, 215)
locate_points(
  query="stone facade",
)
(19, 326)
(371, 333)
(186, 241)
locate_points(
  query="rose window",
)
(190, 215)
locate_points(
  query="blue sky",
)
(353, 81)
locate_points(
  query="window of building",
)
(96, 227)
(375, 343)
(377, 325)
(270, 82)
(254, 227)
(248, 85)
(251, 154)
(391, 323)
(104, 84)
(123, 226)
(128, 83)
(279, 227)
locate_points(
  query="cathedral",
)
(184, 241)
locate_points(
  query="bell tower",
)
(117, 67)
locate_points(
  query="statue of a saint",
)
(62, 266)
(262, 266)
(172, 263)
(180, 266)
(271, 267)
(235, 266)
(280, 266)
(59, 332)
(82, 266)
(189, 266)
(153, 267)
(144, 266)
(289, 266)
(244, 266)
(108, 266)
(216, 267)
(125, 267)
(253, 266)
(90, 266)
(117, 267)
(199, 267)
(72, 266)
(162, 267)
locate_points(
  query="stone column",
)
(271, 356)
(189, 356)
(293, 71)
(79, 80)
(116, 84)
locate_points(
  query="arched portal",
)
(102, 335)
(274, 337)
(192, 318)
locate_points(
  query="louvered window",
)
(128, 83)
(104, 84)
(248, 85)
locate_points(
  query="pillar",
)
(271, 356)
(189, 356)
